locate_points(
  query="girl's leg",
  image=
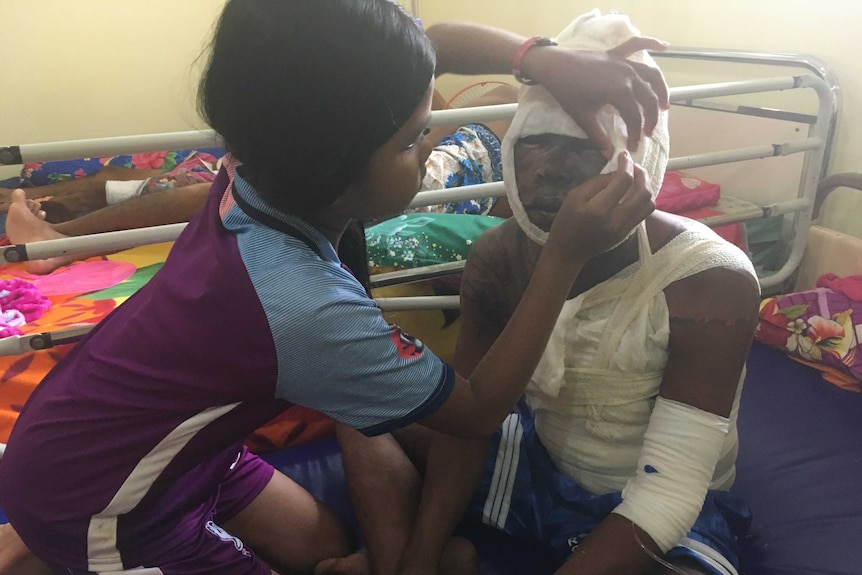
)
(288, 528)
(15, 558)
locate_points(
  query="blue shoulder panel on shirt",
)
(336, 353)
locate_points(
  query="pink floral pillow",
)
(820, 326)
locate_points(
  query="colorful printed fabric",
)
(469, 156)
(20, 303)
(821, 327)
(197, 169)
(42, 174)
(422, 239)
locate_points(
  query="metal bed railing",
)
(814, 146)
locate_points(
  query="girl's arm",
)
(583, 81)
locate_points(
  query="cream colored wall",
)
(95, 68)
(828, 29)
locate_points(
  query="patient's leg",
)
(158, 208)
(80, 194)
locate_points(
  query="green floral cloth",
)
(423, 239)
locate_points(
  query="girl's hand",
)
(601, 212)
(584, 81)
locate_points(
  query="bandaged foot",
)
(26, 223)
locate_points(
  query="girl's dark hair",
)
(304, 91)
(352, 252)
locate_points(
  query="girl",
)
(139, 431)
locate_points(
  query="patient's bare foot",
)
(24, 224)
(459, 558)
(356, 564)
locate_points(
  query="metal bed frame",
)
(816, 146)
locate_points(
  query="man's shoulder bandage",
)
(681, 447)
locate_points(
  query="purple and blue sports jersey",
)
(135, 429)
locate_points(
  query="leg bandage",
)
(681, 447)
(117, 191)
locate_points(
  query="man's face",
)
(547, 166)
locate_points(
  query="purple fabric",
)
(159, 359)
(20, 303)
(818, 325)
(800, 460)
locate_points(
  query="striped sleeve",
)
(337, 354)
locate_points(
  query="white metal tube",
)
(685, 93)
(741, 154)
(458, 116)
(757, 212)
(476, 191)
(808, 189)
(130, 238)
(98, 243)
(17, 345)
(418, 303)
(119, 145)
(207, 138)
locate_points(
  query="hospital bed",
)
(801, 440)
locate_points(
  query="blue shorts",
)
(524, 495)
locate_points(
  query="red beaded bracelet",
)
(522, 51)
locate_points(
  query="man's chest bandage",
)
(681, 447)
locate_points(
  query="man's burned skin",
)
(548, 166)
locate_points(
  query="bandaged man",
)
(623, 454)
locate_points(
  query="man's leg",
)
(154, 209)
(384, 477)
(82, 193)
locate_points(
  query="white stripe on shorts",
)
(709, 555)
(499, 497)
(102, 533)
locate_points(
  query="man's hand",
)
(602, 211)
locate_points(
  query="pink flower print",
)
(832, 336)
(149, 161)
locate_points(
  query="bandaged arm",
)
(681, 447)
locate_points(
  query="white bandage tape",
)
(681, 447)
(117, 191)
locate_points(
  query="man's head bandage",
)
(539, 113)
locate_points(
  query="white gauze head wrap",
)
(539, 113)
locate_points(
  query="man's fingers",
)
(637, 203)
(615, 191)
